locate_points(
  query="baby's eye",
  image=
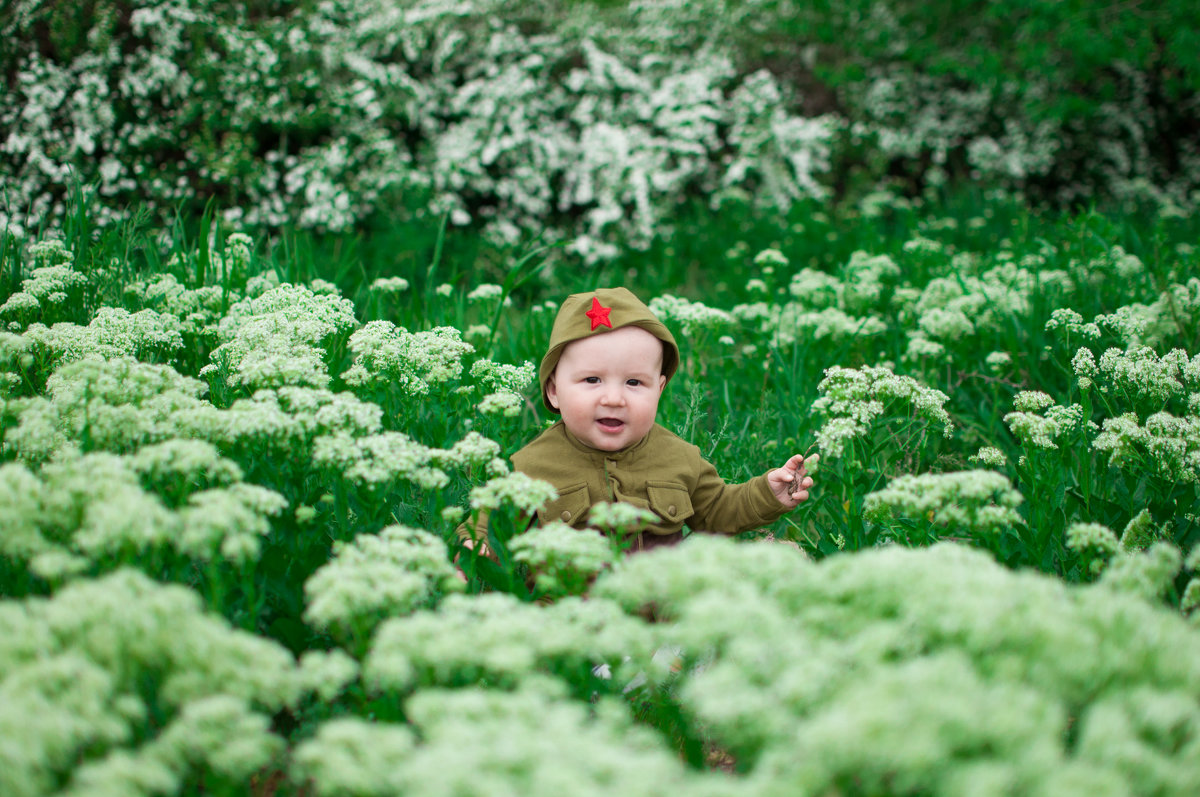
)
(633, 382)
(592, 380)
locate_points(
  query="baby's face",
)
(607, 387)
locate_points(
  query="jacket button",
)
(566, 515)
(671, 510)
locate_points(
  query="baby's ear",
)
(552, 392)
(662, 382)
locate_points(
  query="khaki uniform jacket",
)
(662, 472)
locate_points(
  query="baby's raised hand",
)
(790, 483)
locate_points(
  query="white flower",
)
(377, 460)
(502, 402)
(692, 316)
(485, 293)
(992, 457)
(998, 361)
(513, 378)
(521, 491)
(977, 502)
(771, 257)
(412, 362)
(564, 559)
(1042, 431)
(1093, 539)
(619, 516)
(376, 576)
(1032, 401)
(852, 399)
(390, 285)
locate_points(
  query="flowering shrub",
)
(337, 112)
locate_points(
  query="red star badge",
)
(599, 314)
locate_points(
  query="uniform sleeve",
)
(477, 531)
(732, 508)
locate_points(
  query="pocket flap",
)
(571, 504)
(670, 501)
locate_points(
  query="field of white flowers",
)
(233, 451)
(227, 502)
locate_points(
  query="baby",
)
(607, 364)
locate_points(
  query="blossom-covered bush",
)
(503, 114)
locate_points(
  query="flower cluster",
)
(853, 400)
(1071, 322)
(1168, 445)
(533, 741)
(522, 492)
(392, 573)
(377, 461)
(563, 559)
(228, 522)
(81, 512)
(864, 280)
(1040, 423)
(617, 517)
(1144, 379)
(953, 309)
(106, 662)
(494, 638)
(113, 332)
(277, 338)
(691, 316)
(109, 403)
(411, 362)
(198, 310)
(802, 659)
(990, 456)
(1095, 541)
(975, 503)
(508, 384)
(52, 289)
(828, 308)
(390, 285)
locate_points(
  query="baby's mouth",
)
(611, 423)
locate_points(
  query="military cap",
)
(595, 313)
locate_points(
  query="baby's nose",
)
(613, 395)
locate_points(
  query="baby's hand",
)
(470, 546)
(790, 483)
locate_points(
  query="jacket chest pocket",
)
(569, 507)
(670, 501)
